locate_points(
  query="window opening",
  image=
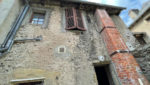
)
(88, 19)
(140, 38)
(61, 50)
(74, 19)
(148, 19)
(38, 18)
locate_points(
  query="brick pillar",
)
(127, 68)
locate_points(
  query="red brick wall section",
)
(127, 68)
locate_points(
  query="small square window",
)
(38, 18)
(61, 49)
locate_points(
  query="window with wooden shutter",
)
(74, 19)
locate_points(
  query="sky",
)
(129, 4)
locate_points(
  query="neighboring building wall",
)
(143, 26)
(141, 53)
(9, 11)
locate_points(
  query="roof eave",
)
(93, 3)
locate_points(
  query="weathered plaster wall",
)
(143, 26)
(9, 11)
(43, 59)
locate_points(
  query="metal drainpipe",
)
(12, 29)
(10, 37)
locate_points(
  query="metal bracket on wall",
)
(119, 51)
(38, 38)
(105, 28)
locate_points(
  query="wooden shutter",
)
(74, 19)
(70, 18)
(80, 24)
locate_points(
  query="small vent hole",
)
(62, 50)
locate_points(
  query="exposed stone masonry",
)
(142, 55)
(68, 57)
(43, 59)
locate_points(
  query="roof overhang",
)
(110, 8)
(94, 3)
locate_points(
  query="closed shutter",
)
(74, 19)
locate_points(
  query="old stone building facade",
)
(141, 23)
(62, 42)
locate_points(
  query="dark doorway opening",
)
(103, 75)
